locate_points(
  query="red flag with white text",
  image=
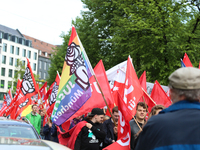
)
(28, 88)
(132, 89)
(52, 99)
(6, 103)
(124, 133)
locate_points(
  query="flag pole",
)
(137, 123)
(105, 100)
(58, 74)
(149, 96)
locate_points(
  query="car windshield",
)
(17, 131)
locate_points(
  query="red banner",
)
(132, 91)
(124, 134)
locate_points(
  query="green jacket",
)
(35, 121)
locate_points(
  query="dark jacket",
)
(90, 139)
(134, 129)
(54, 133)
(42, 128)
(47, 133)
(108, 129)
(176, 127)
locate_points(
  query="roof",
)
(11, 31)
(41, 45)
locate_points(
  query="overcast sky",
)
(41, 19)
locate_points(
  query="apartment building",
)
(14, 46)
(45, 51)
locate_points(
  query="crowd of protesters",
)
(175, 127)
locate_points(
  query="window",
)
(11, 61)
(3, 70)
(34, 66)
(4, 47)
(44, 75)
(9, 84)
(44, 65)
(35, 56)
(16, 62)
(17, 51)
(23, 62)
(2, 84)
(29, 54)
(40, 74)
(40, 52)
(11, 49)
(1, 34)
(3, 59)
(16, 74)
(9, 37)
(23, 42)
(16, 39)
(24, 52)
(40, 63)
(46, 54)
(10, 73)
(49, 65)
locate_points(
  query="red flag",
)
(118, 86)
(124, 134)
(9, 110)
(28, 88)
(96, 100)
(69, 138)
(187, 61)
(52, 100)
(132, 91)
(199, 65)
(143, 84)
(148, 101)
(6, 103)
(40, 98)
(143, 81)
(159, 96)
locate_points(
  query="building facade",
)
(14, 47)
(45, 51)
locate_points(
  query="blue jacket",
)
(174, 128)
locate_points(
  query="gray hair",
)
(190, 95)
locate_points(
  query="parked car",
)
(29, 144)
(17, 128)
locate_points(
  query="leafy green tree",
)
(156, 33)
(58, 58)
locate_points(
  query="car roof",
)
(4, 121)
(23, 143)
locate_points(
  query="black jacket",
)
(90, 139)
(134, 129)
(47, 133)
(108, 129)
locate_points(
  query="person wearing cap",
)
(92, 134)
(176, 127)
